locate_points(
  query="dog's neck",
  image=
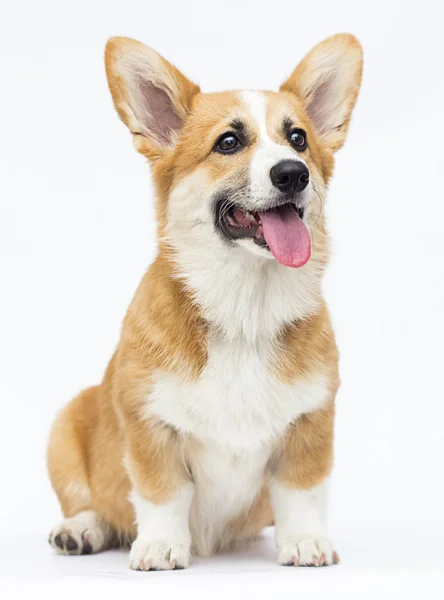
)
(241, 294)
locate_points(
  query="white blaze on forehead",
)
(267, 153)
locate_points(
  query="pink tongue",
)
(287, 236)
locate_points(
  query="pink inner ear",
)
(320, 102)
(159, 115)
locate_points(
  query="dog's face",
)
(239, 171)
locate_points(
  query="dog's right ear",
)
(151, 96)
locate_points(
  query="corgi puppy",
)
(215, 416)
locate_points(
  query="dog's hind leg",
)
(82, 531)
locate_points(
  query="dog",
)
(215, 415)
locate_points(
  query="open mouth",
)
(280, 230)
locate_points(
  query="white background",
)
(77, 232)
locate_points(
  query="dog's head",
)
(239, 172)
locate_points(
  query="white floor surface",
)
(377, 561)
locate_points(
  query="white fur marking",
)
(227, 482)
(268, 153)
(78, 491)
(74, 533)
(235, 401)
(238, 411)
(163, 536)
(301, 534)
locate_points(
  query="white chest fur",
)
(236, 402)
(237, 409)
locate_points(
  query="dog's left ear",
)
(327, 81)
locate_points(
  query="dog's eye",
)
(298, 139)
(228, 143)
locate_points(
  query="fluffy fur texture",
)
(215, 415)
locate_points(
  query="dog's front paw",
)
(307, 551)
(158, 556)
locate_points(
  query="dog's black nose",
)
(290, 176)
